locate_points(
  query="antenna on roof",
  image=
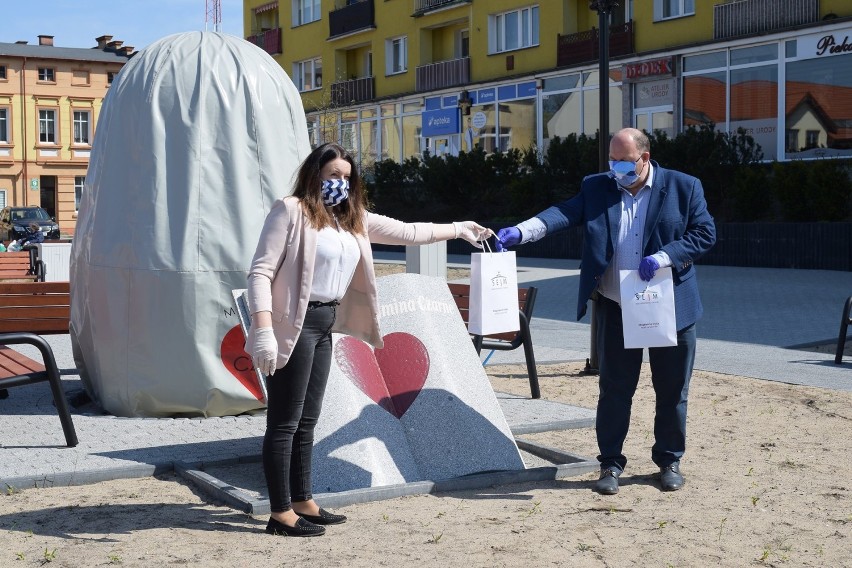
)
(213, 15)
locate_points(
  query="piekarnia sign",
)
(823, 45)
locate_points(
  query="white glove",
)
(263, 349)
(471, 232)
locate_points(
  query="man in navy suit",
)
(638, 216)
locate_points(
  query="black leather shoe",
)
(608, 482)
(324, 518)
(670, 477)
(302, 528)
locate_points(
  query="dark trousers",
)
(294, 402)
(671, 370)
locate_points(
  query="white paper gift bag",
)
(647, 309)
(493, 293)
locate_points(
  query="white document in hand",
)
(647, 309)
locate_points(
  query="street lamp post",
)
(604, 9)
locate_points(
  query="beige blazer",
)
(282, 270)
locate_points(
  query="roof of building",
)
(72, 53)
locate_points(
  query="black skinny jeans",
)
(294, 401)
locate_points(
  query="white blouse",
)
(336, 260)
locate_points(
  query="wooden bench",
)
(20, 266)
(505, 341)
(27, 311)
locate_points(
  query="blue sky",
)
(76, 23)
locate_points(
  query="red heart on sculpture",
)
(392, 376)
(238, 362)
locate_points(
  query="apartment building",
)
(50, 98)
(395, 78)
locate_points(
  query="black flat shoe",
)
(324, 518)
(302, 528)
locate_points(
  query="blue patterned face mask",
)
(623, 171)
(335, 191)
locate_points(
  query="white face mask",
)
(624, 171)
(335, 191)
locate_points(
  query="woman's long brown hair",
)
(350, 213)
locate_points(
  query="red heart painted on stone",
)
(392, 376)
(238, 362)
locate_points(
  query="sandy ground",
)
(767, 483)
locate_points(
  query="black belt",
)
(313, 305)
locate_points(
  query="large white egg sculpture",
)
(199, 134)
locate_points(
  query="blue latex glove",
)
(507, 237)
(648, 267)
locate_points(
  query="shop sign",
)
(662, 66)
(485, 96)
(823, 45)
(440, 122)
(34, 184)
(478, 120)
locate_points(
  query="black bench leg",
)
(477, 343)
(58, 393)
(532, 372)
(844, 327)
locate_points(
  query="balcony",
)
(751, 17)
(442, 74)
(269, 40)
(344, 93)
(583, 47)
(422, 7)
(355, 16)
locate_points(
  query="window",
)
(308, 74)
(306, 11)
(665, 9)
(791, 137)
(4, 126)
(513, 30)
(3, 73)
(79, 182)
(812, 90)
(46, 74)
(47, 126)
(81, 127)
(463, 44)
(110, 77)
(811, 139)
(396, 55)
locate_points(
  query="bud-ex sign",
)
(440, 122)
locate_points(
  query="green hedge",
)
(514, 185)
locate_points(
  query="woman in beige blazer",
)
(312, 274)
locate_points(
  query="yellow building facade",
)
(397, 78)
(50, 99)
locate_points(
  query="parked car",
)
(15, 220)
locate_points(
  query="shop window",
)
(812, 90)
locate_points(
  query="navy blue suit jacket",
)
(677, 222)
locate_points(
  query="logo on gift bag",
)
(647, 297)
(499, 282)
